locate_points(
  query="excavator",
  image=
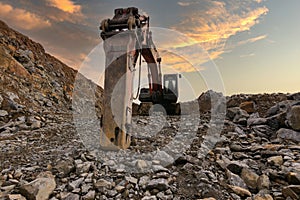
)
(127, 38)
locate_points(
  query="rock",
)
(241, 117)
(280, 107)
(160, 184)
(3, 113)
(10, 105)
(263, 131)
(292, 191)
(236, 147)
(256, 121)
(16, 197)
(131, 179)
(83, 168)
(273, 110)
(18, 173)
(119, 188)
(40, 67)
(144, 180)
(295, 96)
(275, 160)
(263, 182)
(141, 165)
(64, 167)
(159, 168)
(36, 124)
(210, 100)
(293, 118)
(164, 158)
(204, 101)
(162, 175)
(85, 187)
(248, 106)
(90, 195)
(293, 178)
(149, 198)
(40, 188)
(12, 66)
(112, 193)
(236, 167)
(240, 191)
(231, 112)
(250, 178)
(7, 188)
(162, 196)
(277, 121)
(235, 180)
(288, 134)
(75, 184)
(71, 196)
(30, 55)
(102, 184)
(263, 197)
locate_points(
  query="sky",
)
(249, 46)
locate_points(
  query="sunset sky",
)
(254, 44)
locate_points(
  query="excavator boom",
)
(127, 36)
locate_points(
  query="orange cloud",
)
(184, 61)
(211, 30)
(218, 21)
(65, 5)
(173, 62)
(21, 18)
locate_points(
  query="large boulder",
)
(40, 188)
(283, 106)
(295, 96)
(293, 118)
(248, 106)
(12, 66)
(209, 100)
(250, 178)
(288, 134)
(159, 184)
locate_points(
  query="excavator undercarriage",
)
(127, 37)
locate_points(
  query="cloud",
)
(183, 3)
(251, 40)
(21, 18)
(247, 55)
(65, 5)
(173, 62)
(214, 22)
(64, 11)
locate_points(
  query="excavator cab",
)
(170, 91)
(169, 96)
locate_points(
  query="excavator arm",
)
(126, 36)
